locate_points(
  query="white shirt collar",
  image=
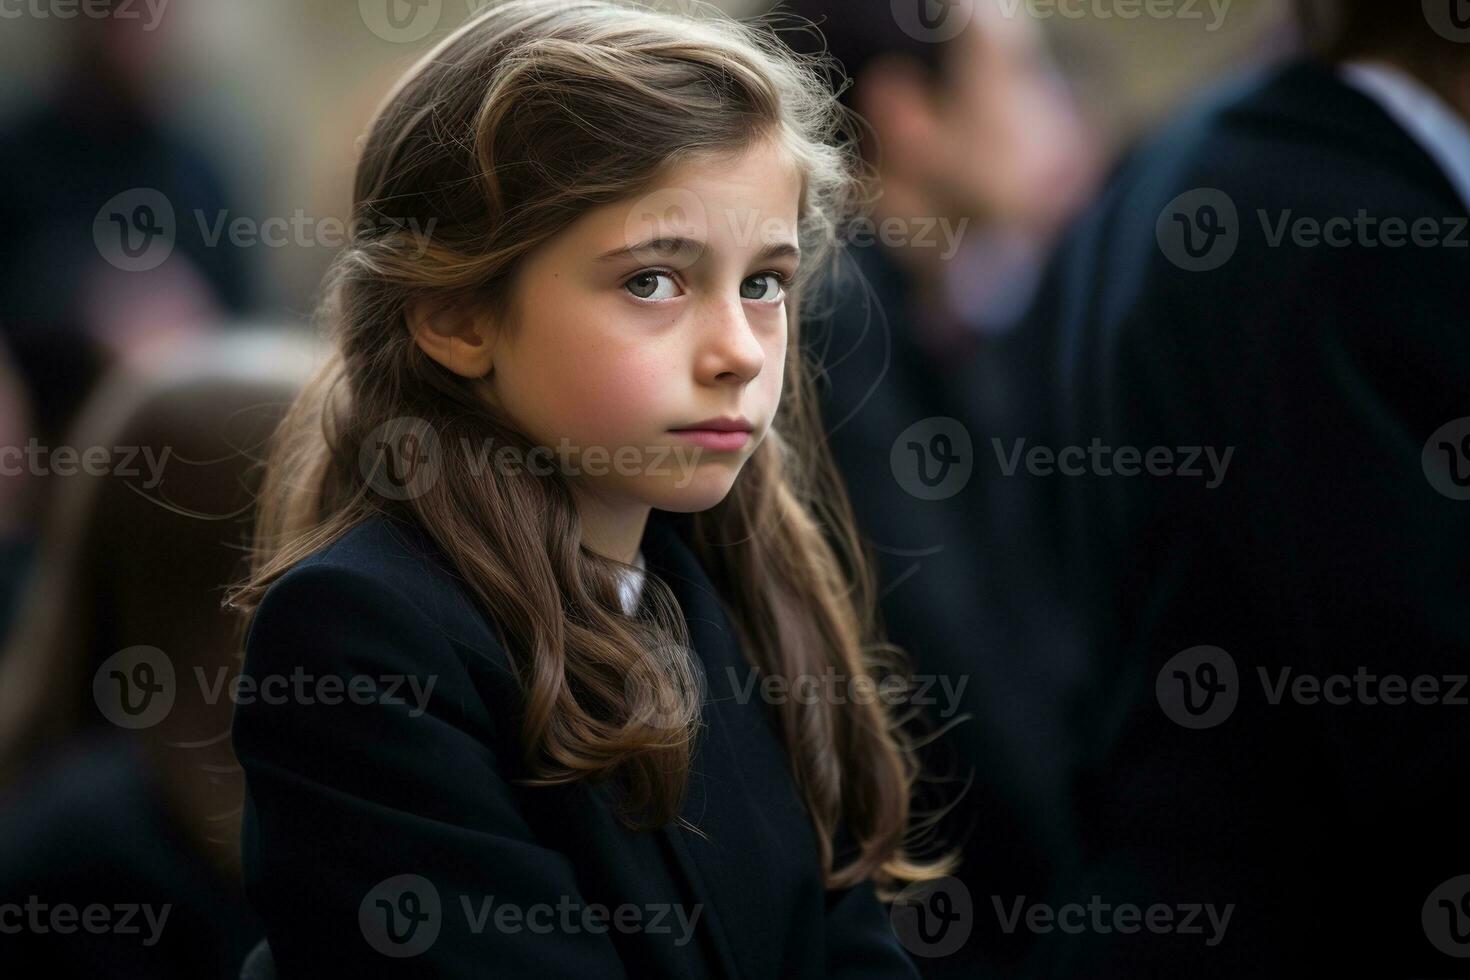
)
(631, 585)
(1428, 119)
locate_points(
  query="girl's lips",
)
(714, 438)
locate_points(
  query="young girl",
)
(562, 655)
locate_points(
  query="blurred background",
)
(274, 93)
(231, 128)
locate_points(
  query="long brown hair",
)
(526, 117)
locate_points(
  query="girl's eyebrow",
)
(669, 247)
(688, 247)
(779, 250)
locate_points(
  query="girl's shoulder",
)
(383, 579)
(397, 553)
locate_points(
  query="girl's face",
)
(652, 316)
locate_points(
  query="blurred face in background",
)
(1012, 147)
(993, 135)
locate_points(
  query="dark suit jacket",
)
(1324, 550)
(344, 799)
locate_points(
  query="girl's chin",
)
(705, 488)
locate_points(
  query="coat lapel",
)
(745, 865)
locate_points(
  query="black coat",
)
(1324, 550)
(345, 798)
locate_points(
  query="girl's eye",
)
(652, 285)
(766, 287)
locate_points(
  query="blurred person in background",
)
(979, 154)
(110, 795)
(104, 257)
(1267, 309)
(16, 540)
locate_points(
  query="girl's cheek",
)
(617, 399)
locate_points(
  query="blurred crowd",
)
(1066, 255)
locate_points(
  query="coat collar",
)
(669, 557)
(739, 777)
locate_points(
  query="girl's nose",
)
(732, 353)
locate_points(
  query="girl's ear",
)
(457, 337)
